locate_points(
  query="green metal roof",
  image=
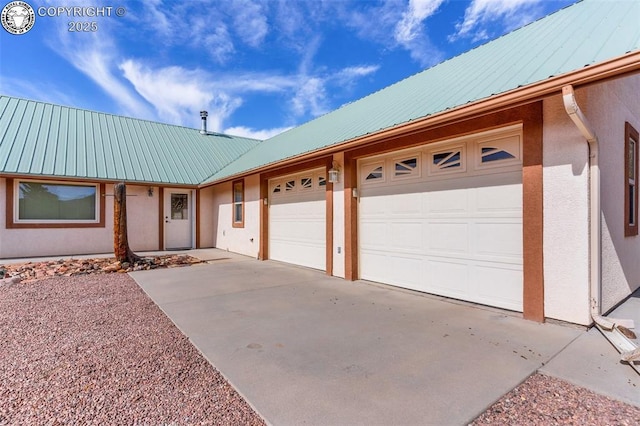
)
(577, 36)
(49, 140)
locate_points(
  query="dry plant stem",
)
(121, 247)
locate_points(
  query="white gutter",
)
(608, 326)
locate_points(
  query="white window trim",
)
(433, 170)
(498, 164)
(368, 168)
(415, 174)
(16, 203)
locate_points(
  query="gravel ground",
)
(94, 349)
(543, 400)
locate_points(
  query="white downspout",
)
(595, 225)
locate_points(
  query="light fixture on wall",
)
(334, 173)
(150, 191)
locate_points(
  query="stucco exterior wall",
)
(244, 240)
(607, 106)
(338, 221)
(566, 227)
(142, 217)
(143, 232)
(207, 218)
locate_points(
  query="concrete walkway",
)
(304, 348)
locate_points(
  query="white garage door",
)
(297, 219)
(446, 219)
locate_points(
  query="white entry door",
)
(177, 219)
(297, 219)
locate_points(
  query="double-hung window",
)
(238, 203)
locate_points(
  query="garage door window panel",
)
(499, 152)
(448, 161)
(373, 173)
(407, 168)
(306, 183)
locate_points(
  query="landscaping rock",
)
(33, 271)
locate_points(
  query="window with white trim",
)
(306, 183)
(290, 185)
(374, 173)
(52, 202)
(407, 167)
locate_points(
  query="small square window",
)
(322, 181)
(290, 185)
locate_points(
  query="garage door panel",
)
(499, 241)
(297, 221)
(403, 204)
(406, 235)
(447, 278)
(499, 285)
(376, 266)
(447, 237)
(500, 199)
(373, 235)
(445, 203)
(456, 234)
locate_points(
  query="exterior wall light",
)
(334, 173)
(150, 191)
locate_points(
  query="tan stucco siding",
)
(207, 217)
(566, 226)
(608, 105)
(245, 240)
(142, 214)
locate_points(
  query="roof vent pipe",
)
(203, 115)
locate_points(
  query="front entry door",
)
(177, 219)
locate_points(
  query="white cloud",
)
(513, 13)
(405, 21)
(410, 26)
(250, 21)
(179, 94)
(218, 44)
(248, 132)
(310, 98)
(95, 57)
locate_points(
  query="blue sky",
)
(258, 66)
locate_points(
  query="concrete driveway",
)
(304, 348)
